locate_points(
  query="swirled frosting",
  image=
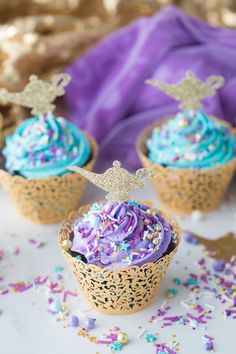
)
(121, 234)
(45, 146)
(191, 140)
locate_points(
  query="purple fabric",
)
(107, 95)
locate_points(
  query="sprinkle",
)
(17, 251)
(218, 265)
(150, 338)
(197, 215)
(74, 321)
(90, 323)
(59, 269)
(191, 281)
(177, 281)
(209, 306)
(208, 337)
(124, 246)
(116, 346)
(40, 281)
(55, 306)
(208, 346)
(31, 240)
(102, 341)
(68, 292)
(189, 238)
(141, 333)
(41, 245)
(20, 286)
(170, 293)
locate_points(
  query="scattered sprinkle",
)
(171, 293)
(150, 338)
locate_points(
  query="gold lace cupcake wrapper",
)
(47, 200)
(117, 290)
(185, 190)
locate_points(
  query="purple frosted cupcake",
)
(119, 249)
(121, 234)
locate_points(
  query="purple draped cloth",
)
(107, 95)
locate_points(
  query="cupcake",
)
(194, 154)
(119, 249)
(37, 155)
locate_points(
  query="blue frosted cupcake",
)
(37, 156)
(195, 158)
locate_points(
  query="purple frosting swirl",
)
(121, 234)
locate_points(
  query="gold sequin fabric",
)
(47, 200)
(185, 190)
(118, 290)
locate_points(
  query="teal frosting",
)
(191, 140)
(45, 146)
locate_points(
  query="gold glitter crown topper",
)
(117, 180)
(38, 94)
(190, 91)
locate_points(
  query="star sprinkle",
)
(124, 246)
(150, 338)
(116, 346)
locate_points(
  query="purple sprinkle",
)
(219, 265)
(208, 346)
(189, 238)
(90, 323)
(74, 321)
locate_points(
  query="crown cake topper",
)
(117, 180)
(190, 91)
(38, 94)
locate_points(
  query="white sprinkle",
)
(159, 319)
(209, 306)
(207, 294)
(197, 215)
(141, 333)
(163, 305)
(193, 323)
(185, 305)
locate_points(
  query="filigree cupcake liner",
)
(118, 290)
(47, 200)
(185, 190)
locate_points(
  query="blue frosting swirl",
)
(45, 146)
(191, 140)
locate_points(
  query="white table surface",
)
(27, 328)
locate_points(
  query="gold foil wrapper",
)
(117, 290)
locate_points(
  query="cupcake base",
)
(47, 200)
(185, 190)
(118, 290)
